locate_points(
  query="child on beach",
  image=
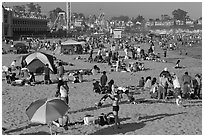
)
(116, 98)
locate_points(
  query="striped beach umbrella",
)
(44, 111)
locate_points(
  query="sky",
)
(117, 8)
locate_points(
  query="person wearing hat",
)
(165, 72)
(103, 79)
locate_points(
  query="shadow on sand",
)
(21, 128)
(37, 133)
(130, 127)
(94, 108)
(124, 128)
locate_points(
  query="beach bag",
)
(102, 119)
(110, 118)
(89, 119)
(64, 120)
(18, 83)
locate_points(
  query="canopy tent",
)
(138, 23)
(19, 48)
(70, 47)
(72, 42)
(36, 61)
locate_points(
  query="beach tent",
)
(138, 23)
(35, 62)
(70, 47)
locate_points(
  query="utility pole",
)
(68, 8)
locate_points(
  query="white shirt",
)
(176, 83)
(63, 91)
(138, 50)
(13, 63)
(99, 52)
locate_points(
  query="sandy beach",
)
(147, 117)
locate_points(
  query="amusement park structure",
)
(63, 20)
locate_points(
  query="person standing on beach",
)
(116, 98)
(177, 89)
(60, 70)
(138, 52)
(103, 79)
(46, 74)
(63, 93)
(198, 79)
(187, 84)
(163, 86)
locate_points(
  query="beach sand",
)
(144, 118)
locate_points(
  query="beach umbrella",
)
(44, 111)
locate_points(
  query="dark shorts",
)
(47, 77)
(115, 108)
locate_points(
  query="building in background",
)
(15, 25)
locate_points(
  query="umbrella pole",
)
(50, 128)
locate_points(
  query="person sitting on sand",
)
(31, 78)
(141, 82)
(148, 82)
(62, 122)
(95, 70)
(76, 77)
(13, 65)
(110, 88)
(9, 76)
(154, 88)
(177, 64)
(97, 87)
